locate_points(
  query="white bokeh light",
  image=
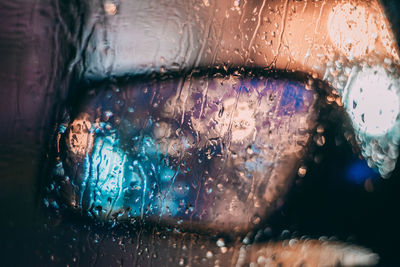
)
(372, 101)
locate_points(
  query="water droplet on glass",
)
(302, 171)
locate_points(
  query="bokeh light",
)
(372, 101)
(352, 29)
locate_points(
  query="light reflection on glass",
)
(149, 152)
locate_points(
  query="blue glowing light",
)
(359, 172)
(120, 181)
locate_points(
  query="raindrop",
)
(209, 254)
(220, 186)
(110, 8)
(319, 139)
(256, 220)
(206, 3)
(302, 171)
(220, 243)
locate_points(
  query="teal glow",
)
(107, 173)
(119, 181)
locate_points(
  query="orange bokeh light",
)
(352, 29)
(357, 29)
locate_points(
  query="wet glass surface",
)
(198, 133)
(217, 151)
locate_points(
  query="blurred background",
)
(339, 195)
